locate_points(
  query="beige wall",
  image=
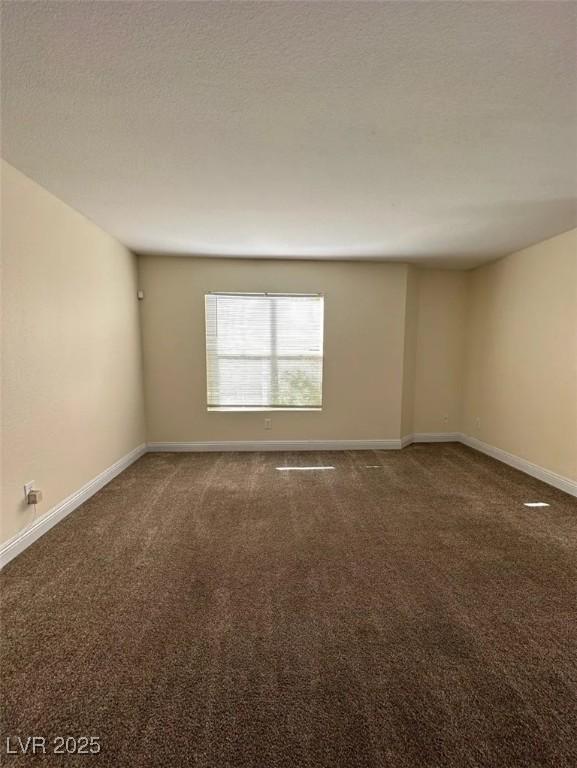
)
(521, 374)
(410, 351)
(440, 350)
(71, 362)
(364, 348)
(394, 345)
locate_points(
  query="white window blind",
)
(264, 350)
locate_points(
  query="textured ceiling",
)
(435, 131)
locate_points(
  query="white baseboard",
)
(546, 475)
(432, 437)
(14, 546)
(279, 445)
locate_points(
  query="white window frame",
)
(272, 357)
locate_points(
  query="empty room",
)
(288, 384)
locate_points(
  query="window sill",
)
(250, 409)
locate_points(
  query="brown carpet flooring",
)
(404, 609)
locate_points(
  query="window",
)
(264, 350)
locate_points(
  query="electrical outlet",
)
(28, 487)
(478, 422)
(268, 423)
(445, 418)
(34, 497)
